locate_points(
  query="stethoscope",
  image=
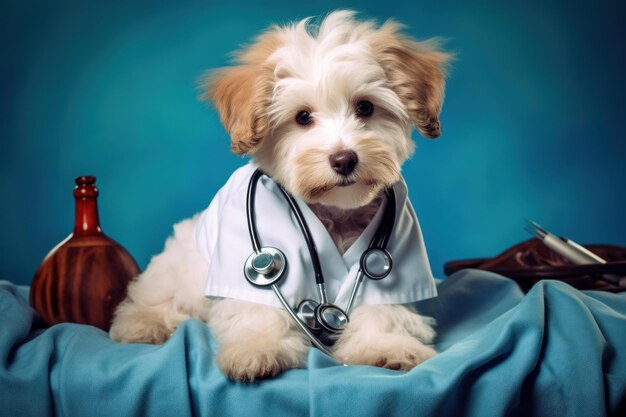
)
(265, 267)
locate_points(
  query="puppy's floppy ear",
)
(241, 94)
(416, 73)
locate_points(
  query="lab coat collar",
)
(335, 266)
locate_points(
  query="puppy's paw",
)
(152, 333)
(135, 324)
(248, 361)
(398, 352)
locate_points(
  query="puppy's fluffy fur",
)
(326, 70)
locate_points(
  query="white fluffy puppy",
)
(327, 111)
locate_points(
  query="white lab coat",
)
(222, 237)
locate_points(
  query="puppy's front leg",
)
(256, 341)
(389, 336)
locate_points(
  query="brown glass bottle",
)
(85, 277)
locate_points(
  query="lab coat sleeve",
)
(206, 233)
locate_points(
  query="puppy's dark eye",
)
(304, 118)
(364, 108)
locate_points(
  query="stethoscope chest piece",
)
(318, 317)
(265, 267)
(306, 312)
(324, 320)
(331, 318)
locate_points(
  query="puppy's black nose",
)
(344, 162)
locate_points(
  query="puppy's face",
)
(328, 112)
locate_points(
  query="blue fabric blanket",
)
(554, 352)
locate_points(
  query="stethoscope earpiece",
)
(376, 263)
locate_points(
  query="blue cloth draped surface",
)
(553, 352)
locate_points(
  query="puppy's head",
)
(327, 110)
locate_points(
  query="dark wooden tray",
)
(531, 261)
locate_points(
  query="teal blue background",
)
(533, 123)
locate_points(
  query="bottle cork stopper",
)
(85, 187)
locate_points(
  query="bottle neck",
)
(86, 221)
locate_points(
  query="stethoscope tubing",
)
(250, 210)
(308, 237)
(378, 243)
